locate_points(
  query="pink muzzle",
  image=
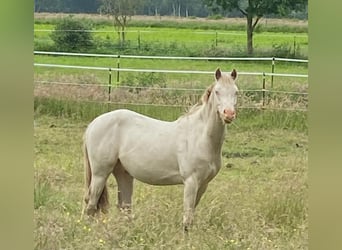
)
(229, 115)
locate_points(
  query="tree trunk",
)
(249, 34)
(123, 29)
(123, 35)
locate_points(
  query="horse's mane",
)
(203, 100)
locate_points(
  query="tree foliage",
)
(253, 10)
(66, 6)
(72, 35)
(182, 8)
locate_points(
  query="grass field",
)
(191, 37)
(198, 38)
(259, 199)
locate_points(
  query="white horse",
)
(186, 151)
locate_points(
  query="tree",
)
(72, 35)
(121, 10)
(254, 10)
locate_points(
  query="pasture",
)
(258, 200)
(147, 37)
(185, 37)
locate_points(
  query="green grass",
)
(189, 40)
(259, 199)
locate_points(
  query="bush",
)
(71, 35)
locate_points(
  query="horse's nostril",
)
(229, 112)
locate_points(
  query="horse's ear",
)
(218, 74)
(233, 74)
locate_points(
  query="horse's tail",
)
(103, 201)
(87, 173)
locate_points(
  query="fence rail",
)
(272, 59)
(160, 70)
(264, 93)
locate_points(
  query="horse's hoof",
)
(104, 210)
(91, 211)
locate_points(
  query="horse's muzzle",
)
(228, 115)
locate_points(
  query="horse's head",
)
(225, 93)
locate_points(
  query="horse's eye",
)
(216, 92)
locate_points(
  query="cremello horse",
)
(186, 151)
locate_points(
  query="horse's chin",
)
(228, 121)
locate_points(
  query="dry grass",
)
(257, 201)
(242, 21)
(162, 96)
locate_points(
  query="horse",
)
(186, 151)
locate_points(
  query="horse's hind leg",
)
(125, 187)
(96, 190)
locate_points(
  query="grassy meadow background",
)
(259, 199)
(184, 37)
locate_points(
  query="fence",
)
(262, 97)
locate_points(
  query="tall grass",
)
(257, 201)
(248, 118)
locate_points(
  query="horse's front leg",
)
(190, 194)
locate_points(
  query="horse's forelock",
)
(228, 78)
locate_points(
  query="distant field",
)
(187, 36)
(192, 36)
(190, 40)
(299, 25)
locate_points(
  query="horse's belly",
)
(152, 171)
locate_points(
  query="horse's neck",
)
(214, 127)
